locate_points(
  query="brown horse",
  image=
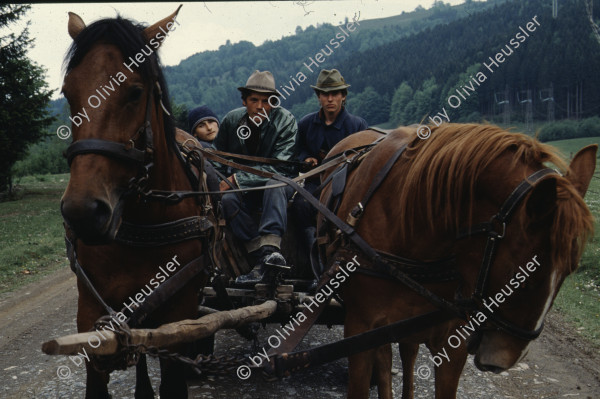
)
(121, 131)
(460, 177)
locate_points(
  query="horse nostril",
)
(101, 213)
(89, 219)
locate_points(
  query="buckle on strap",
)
(355, 214)
(492, 232)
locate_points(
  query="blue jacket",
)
(314, 134)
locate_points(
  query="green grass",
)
(31, 231)
(570, 147)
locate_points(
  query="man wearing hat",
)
(260, 128)
(318, 132)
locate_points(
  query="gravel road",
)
(560, 364)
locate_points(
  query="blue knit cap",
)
(200, 114)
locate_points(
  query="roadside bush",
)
(569, 129)
(43, 158)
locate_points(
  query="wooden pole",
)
(104, 342)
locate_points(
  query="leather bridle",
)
(127, 152)
(475, 303)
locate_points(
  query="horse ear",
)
(153, 30)
(582, 168)
(76, 25)
(542, 201)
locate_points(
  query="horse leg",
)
(96, 385)
(172, 379)
(448, 373)
(383, 371)
(408, 355)
(143, 386)
(360, 365)
(360, 369)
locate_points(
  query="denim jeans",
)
(273, 221)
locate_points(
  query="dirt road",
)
(560, 364)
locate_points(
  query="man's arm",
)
(301, 143)
(283, 149)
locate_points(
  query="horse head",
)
(535, 248)
(113, 87)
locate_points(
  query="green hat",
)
(330, 81)
(262, 82)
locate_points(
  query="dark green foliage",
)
(23, 96)
(45, 157)
(569, 129)
(403, 69)
(180, 114)
(300, 110)
(370, 106)
(211, 77)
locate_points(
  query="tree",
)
(370, 105)
(402, 96)
(180, 115)
(23, 96)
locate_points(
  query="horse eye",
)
(135, 93)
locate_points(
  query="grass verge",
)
(31, 231)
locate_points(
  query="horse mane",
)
(129, 39)
(446, 167)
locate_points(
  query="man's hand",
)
(223, 186)
(312, 161)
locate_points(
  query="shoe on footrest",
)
(256, 276)
(275, 259)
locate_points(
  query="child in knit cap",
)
(204, 125)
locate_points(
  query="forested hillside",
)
(405, 68)
(442, 61)
(211, 77)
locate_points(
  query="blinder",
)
(121, 151)
(490, 228)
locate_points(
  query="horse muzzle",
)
(95, 222)
(496, 351)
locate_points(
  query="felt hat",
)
(200, 114)
(330, 80)
(262, 82)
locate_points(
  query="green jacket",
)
(277, 140)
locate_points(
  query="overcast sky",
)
(203, 25)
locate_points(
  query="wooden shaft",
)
(104, 342)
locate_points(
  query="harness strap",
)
(80, 273)
(177, 196)
(359, 208)
(167, 289)
(269, 161)
(283, 364)
(438, 271)
(370, 253)
(137, 235)
(125, 152)
(503, 216)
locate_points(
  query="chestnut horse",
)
(460, 177)
(121, 131)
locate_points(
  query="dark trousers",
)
(303, 211)
(238, 212)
